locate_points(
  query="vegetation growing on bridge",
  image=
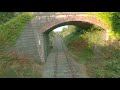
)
(11, 64)
(112, 21)
(89, 47)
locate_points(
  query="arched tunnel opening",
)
(46, 35)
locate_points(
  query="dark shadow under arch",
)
(76, 23)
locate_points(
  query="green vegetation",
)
(10, 31)
(112, 21)
(18, 66)
(106, 62)
(6, 16)
(13, 65)
(89, 47)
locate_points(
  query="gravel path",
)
(60, 64)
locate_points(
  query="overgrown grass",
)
(106, 62)
(13, 65)
(10, 31)
(18, 66)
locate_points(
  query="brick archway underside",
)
(83, 21)
(76, 23)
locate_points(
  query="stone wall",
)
(28, 43)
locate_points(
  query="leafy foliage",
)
(5, 16)
(101, 57)
(112, 21)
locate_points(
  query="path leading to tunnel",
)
(60, 64)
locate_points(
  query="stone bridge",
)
(34, 39)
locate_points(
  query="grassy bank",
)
(89, 47)
(13, 65)
(106, 62)
(18, 66)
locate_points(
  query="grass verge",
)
(13, 65)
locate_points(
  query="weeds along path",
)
(60, 64)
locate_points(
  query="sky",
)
(59, 28)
